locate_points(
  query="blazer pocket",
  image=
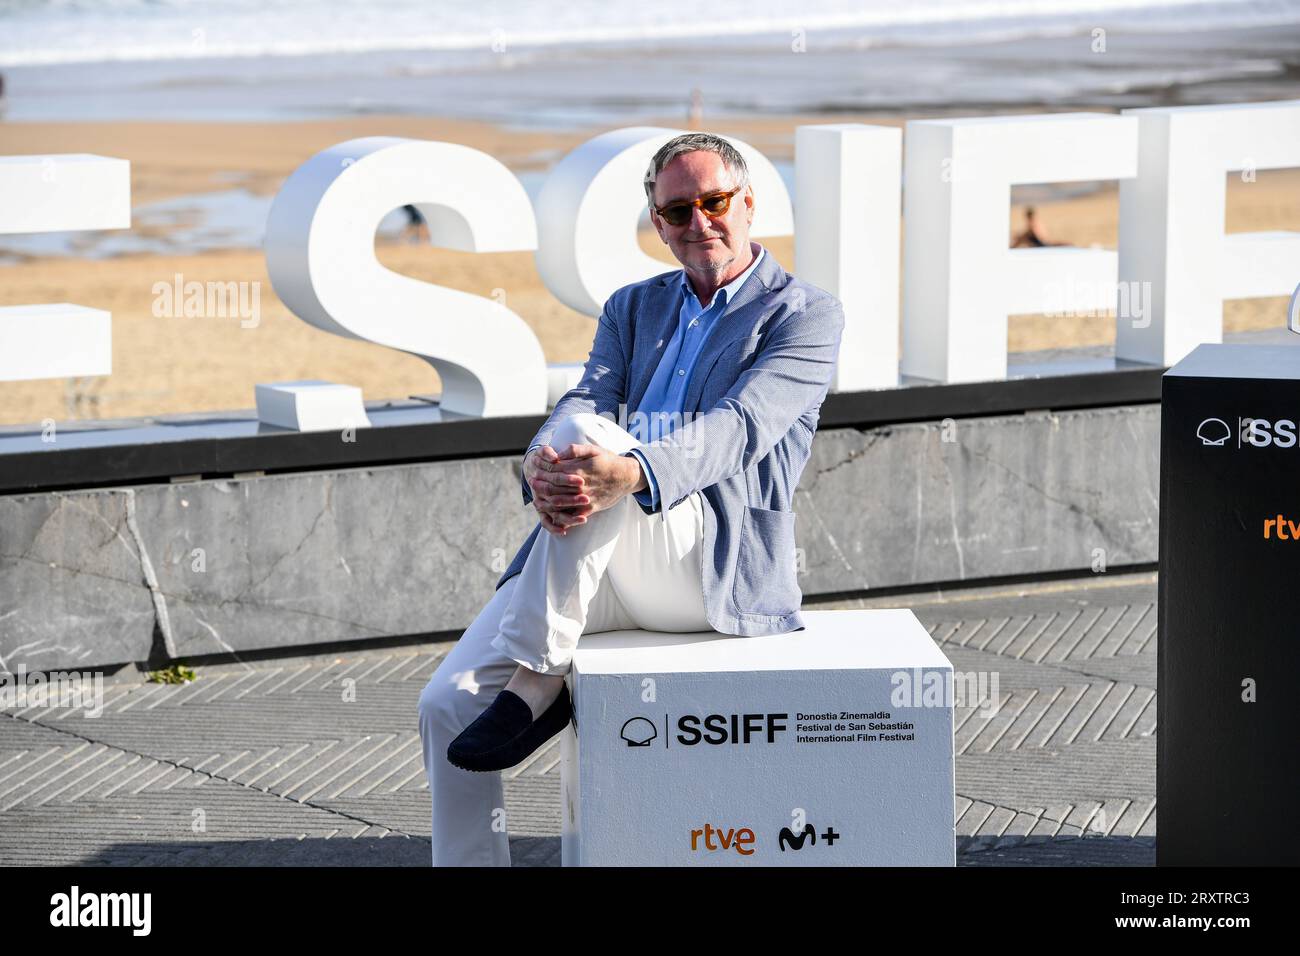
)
(765, 568)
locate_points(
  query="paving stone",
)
(315, 760)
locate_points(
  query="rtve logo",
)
(731, 839)
(1256, 432)
(1281, 528)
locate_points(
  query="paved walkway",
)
(316, 760)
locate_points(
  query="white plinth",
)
(310, 405)
(63, 193)
(54, 341)
(751, 735)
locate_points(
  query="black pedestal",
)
(1228, 770)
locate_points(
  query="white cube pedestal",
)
(310, 405)
(713, 750)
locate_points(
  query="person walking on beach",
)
(682, 523)
(1031, 237)
(415, 229)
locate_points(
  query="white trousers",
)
(621, 569)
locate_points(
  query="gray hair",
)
(689, 143)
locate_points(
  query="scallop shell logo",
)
(638, 732)
(1213, 431)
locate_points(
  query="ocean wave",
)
(53, 32)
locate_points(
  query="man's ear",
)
(658, 224)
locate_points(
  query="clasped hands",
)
(569, 486)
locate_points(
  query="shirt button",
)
(681, 371)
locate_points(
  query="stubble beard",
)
(713, 269)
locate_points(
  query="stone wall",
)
(111, 575)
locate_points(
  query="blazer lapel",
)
(738, 321)
(656, 323)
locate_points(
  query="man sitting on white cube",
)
(727, 362)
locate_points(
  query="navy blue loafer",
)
(504, 734)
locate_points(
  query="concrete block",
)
(830, 746)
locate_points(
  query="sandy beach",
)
(167, 365)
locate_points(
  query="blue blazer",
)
(760, 380)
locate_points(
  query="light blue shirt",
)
(661, 406)
(660, 410)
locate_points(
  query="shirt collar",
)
(729, 290)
